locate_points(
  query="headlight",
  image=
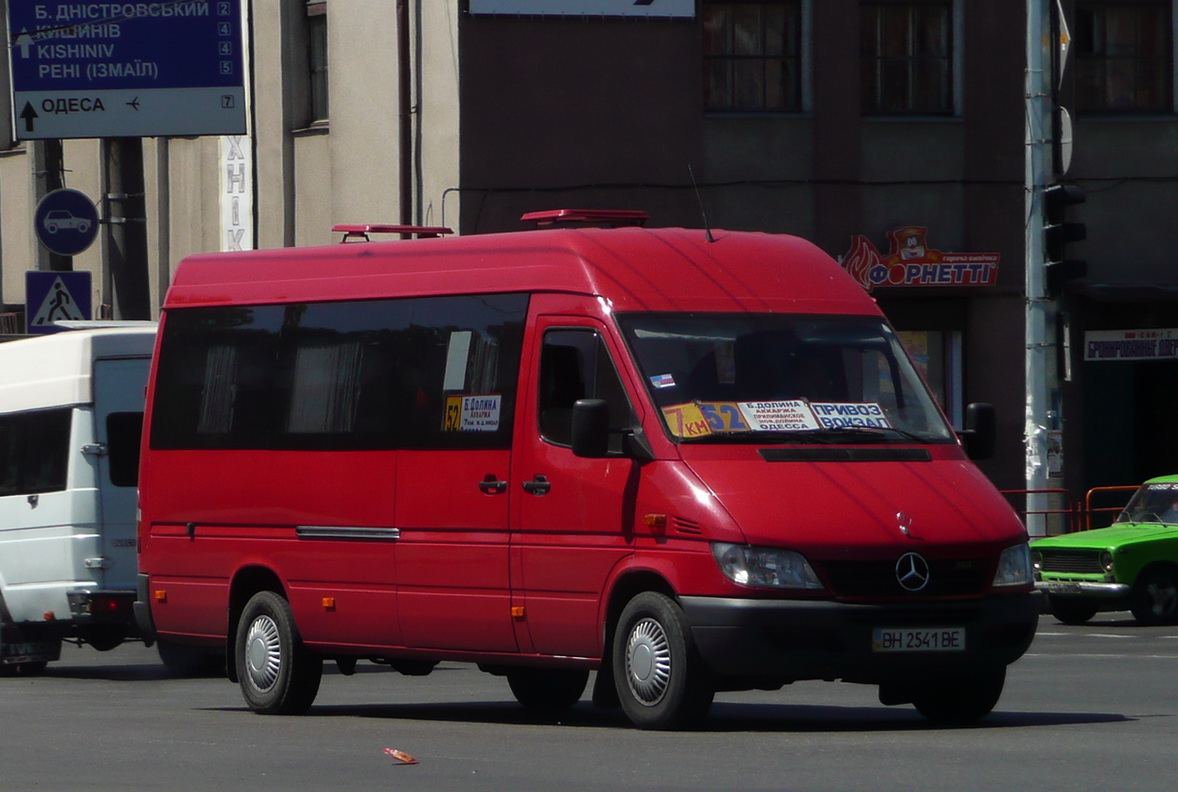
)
(766, 567)
(1014, 566)
(1106, 561)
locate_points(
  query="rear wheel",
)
(1071, 611)
(659, 675)
(1155, 597)
(278, 676)
(960, 698)
(547, 688)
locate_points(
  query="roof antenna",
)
(707, 229)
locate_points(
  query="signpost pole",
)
(1038, 152)
(127, 228)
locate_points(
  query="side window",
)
(34, 451)
(122, 441)
(575, 364)
(431, 372)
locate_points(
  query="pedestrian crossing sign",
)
(55, 296)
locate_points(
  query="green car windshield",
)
(730, 378)
(1153, 503)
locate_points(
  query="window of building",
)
(752, 56)
(906, 58)
(1123, 57)
(317, 59)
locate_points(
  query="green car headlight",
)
(1106, 561)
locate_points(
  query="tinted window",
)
(122, 442)
(34, 451)
(437, 372)
(575, 364)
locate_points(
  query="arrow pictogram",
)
(29, 115)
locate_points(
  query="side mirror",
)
(980, 431)
(591, 428)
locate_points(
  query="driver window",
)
(575, 364)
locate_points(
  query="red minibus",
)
(690, 461)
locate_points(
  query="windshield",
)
(784, 378)
(1153, 503)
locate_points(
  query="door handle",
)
(492, 486)
(539, 485)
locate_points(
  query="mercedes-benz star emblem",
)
(912, 572)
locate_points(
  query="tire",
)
(1154, 599)
(190, 661)
(547, 688)
(33, 669)
(1071, 611)
(660, 678)
(278, 676)
(960, 699)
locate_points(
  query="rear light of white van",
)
(764, 567)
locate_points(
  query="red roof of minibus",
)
(663, 269)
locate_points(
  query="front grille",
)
(947, 578)
(1075, 562)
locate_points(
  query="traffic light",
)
(1058, 233)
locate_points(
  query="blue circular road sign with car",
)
(66, 222)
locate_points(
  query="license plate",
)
(940, 639)
(30, 650)
(1062, 587)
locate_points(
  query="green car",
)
(1130, 565)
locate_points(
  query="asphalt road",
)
(1088, 707)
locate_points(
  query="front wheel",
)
(1155, 597)
(1071, 611)
(961, 698)
(547, 688)
(659, 675)
(278, 675)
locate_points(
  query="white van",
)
(71, 412)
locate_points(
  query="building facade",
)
(889, 133)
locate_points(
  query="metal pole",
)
(1038, 158)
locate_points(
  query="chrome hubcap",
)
(263, 653)
(648, 662)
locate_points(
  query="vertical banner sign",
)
(237, 193)
(146, 68)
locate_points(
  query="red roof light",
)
(614, 218)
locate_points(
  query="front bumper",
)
(790, 640)
(1082, 588)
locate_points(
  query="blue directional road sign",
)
(55, 296)
(131, 68)
(66, 222)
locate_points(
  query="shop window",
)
(906, 58)
(752, 56)
(317, 59)
(1123, 57)
(937, 356)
